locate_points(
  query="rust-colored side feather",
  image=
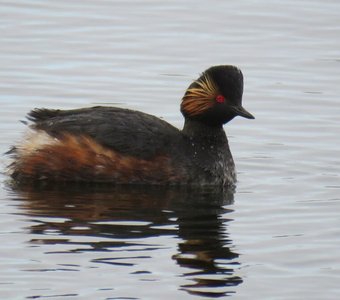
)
(80, 158)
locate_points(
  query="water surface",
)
(276, 237)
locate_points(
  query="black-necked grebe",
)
(109, 144)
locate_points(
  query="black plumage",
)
(126, 131)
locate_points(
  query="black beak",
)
(240, 111)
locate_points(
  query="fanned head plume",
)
(199, 96)
(216, 96)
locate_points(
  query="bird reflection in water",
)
(114, 217)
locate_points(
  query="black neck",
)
(195, 129)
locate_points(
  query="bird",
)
(105, 144)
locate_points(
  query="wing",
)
(126, 131)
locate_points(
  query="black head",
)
(215, 97)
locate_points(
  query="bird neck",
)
(198, 130)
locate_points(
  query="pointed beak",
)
(240, 111)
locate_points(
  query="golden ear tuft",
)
(199, 96)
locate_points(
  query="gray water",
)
(276, 237)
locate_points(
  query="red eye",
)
(220, 99)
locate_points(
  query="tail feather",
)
(11, 151)
(42, 114)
